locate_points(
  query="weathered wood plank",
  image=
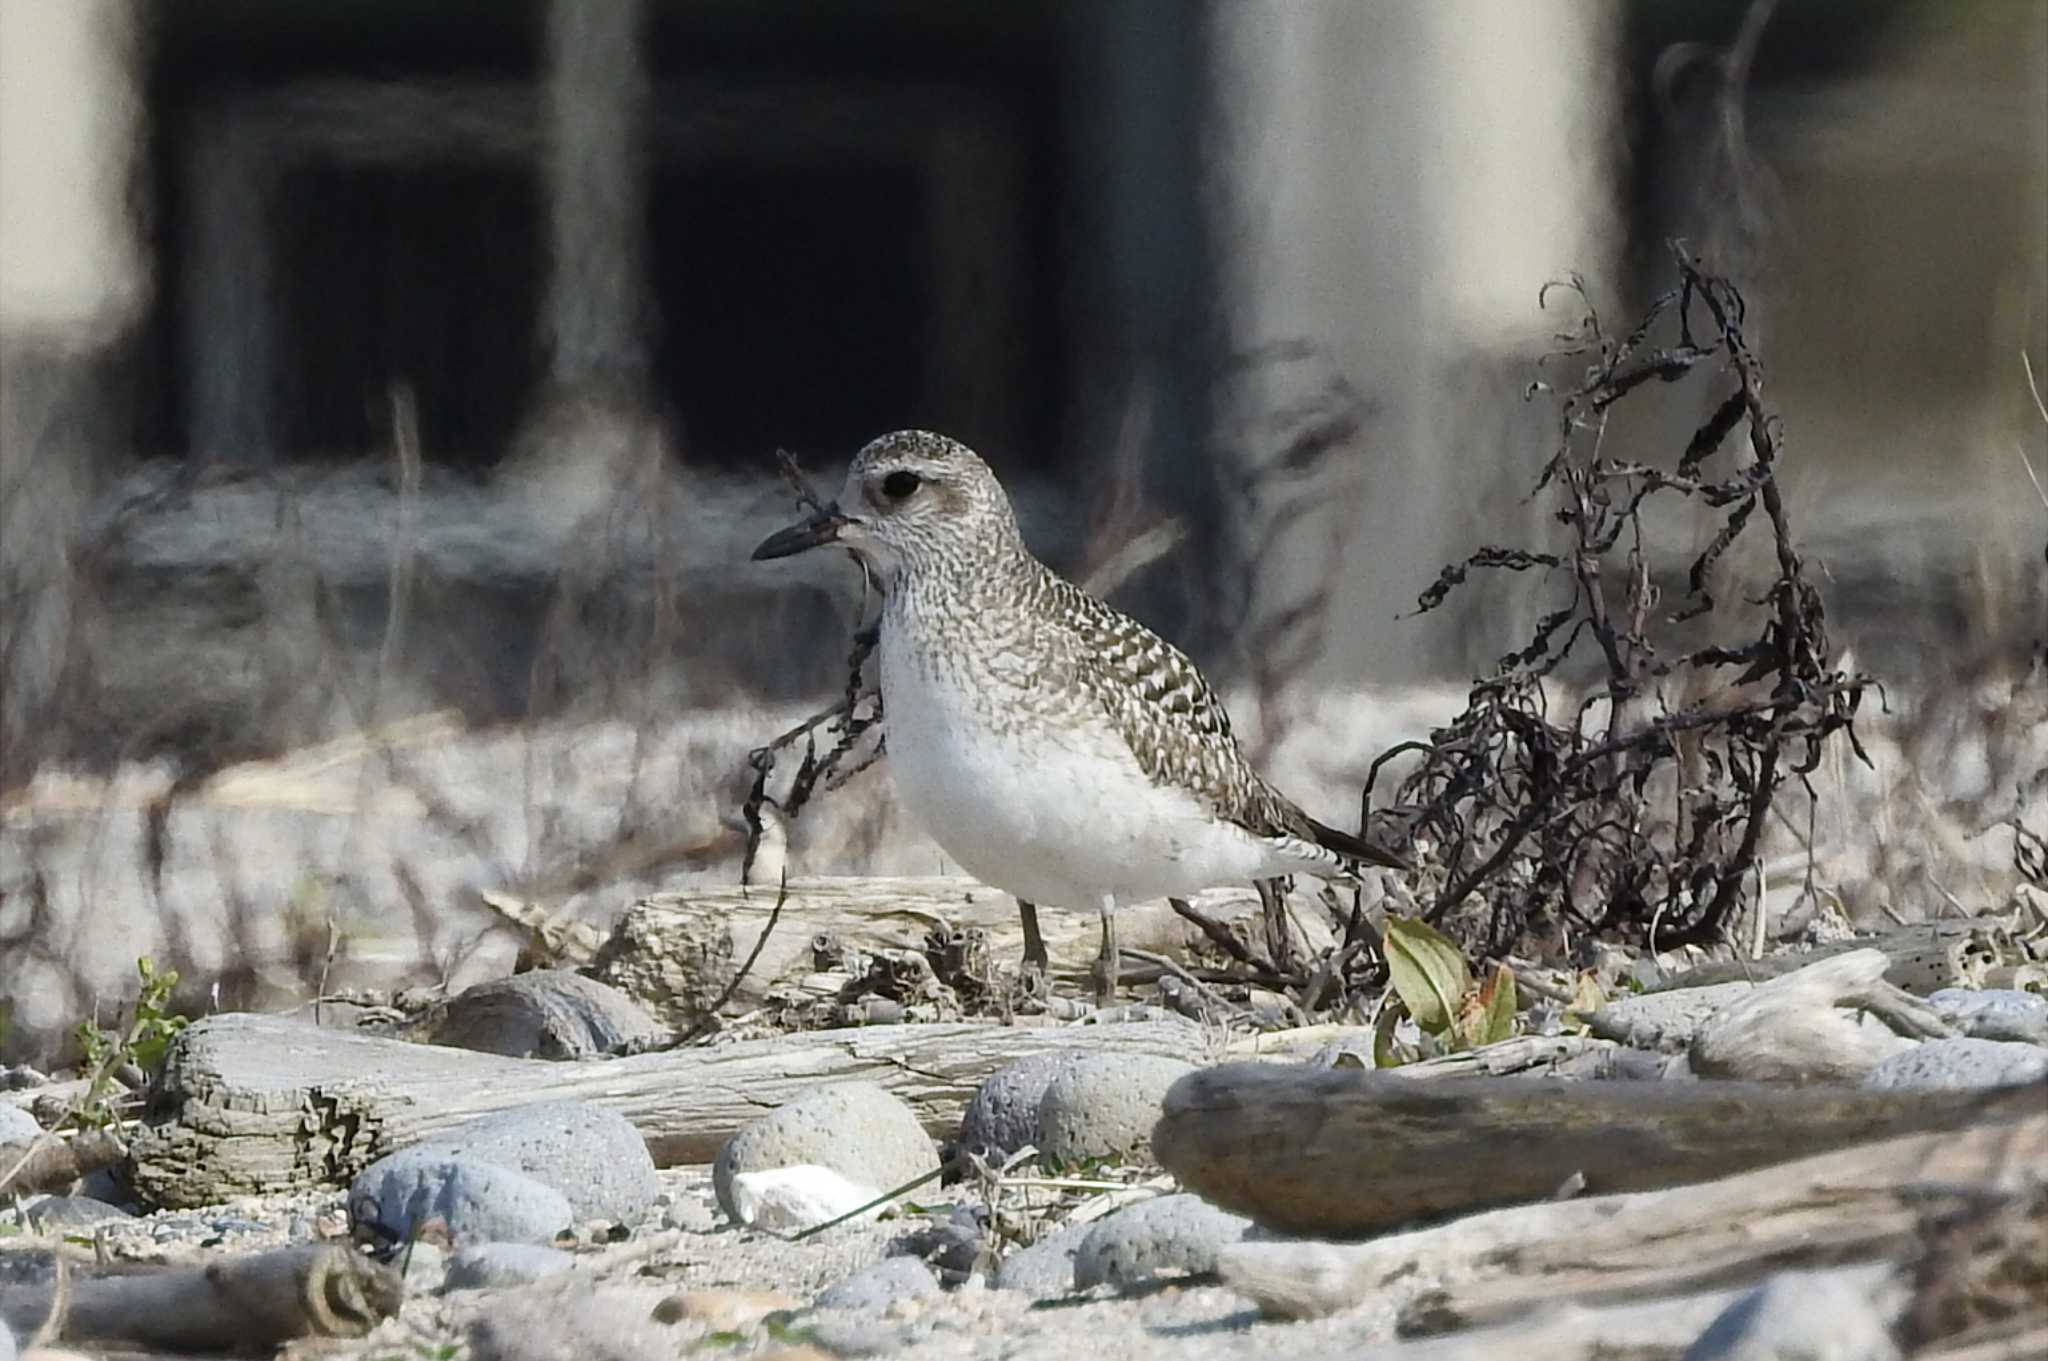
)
(251, 1104)
(1341, 1151)
(1850, 1204)
(1954, 953)
(676, 953)
(261, 1298)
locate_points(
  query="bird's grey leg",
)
(1036, 961)
(1106, 963)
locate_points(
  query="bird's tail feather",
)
(1357, 848)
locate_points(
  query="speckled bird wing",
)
(1172, 721)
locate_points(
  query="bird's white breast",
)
(1038, 795)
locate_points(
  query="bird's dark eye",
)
(900, 484)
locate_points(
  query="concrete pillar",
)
(73, 281)
(595, 99)
(1389, 185)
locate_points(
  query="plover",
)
(1058, 750)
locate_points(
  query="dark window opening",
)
(792, 304)
(427, 275)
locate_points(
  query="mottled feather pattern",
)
(971, 608)
(1172, 721)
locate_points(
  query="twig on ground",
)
(1202, 990)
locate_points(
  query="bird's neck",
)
(965, 593)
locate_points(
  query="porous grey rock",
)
(1045, 1270)
(480, 1201)
(1958, 1064)
(856, 1129)
(497, 1264)
(951, 1246)
(17, 1126)
(874, 1288)
(1994, 1013)
(1800, 1316)
(593, 1156)
(1104, 1106)
(7, 1352)
(1178, 1234)
(1665, 1021)
(1002, 1115)
(545, 1014)
(56, 1214)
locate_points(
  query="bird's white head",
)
(911, 500)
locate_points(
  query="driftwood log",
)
(1340, 1151)
(51, 1161)
(262, 1299)
(1810, 1026)
(677, 953)
(1858, 1204)
(255, 1104)
(1960, 952)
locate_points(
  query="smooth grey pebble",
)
(875, 1288)
(480, 1201)
(856, 1129)
(592, 1156)
(553, 1014)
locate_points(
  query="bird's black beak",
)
(815, 532)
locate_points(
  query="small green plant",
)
(1433, 984)
(145, 1043)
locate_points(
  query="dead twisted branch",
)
(1642, 808)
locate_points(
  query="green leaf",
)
(1587, 998)
(1497, 997)
(1428, 972)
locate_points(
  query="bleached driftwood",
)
(676, 953)
(1336, 1151)
(1808, 1026)
(1852, 1204)
(1960, 952)
(1659, 1329)
(50, 1161)
(263, 1299)
(1504, 1058)
(252, 1104)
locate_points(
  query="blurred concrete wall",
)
(1392, 184)
(1367, 195)
(74, 279)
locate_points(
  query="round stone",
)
(1171, 1235)
(855, 1129)
(1104, 1106)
